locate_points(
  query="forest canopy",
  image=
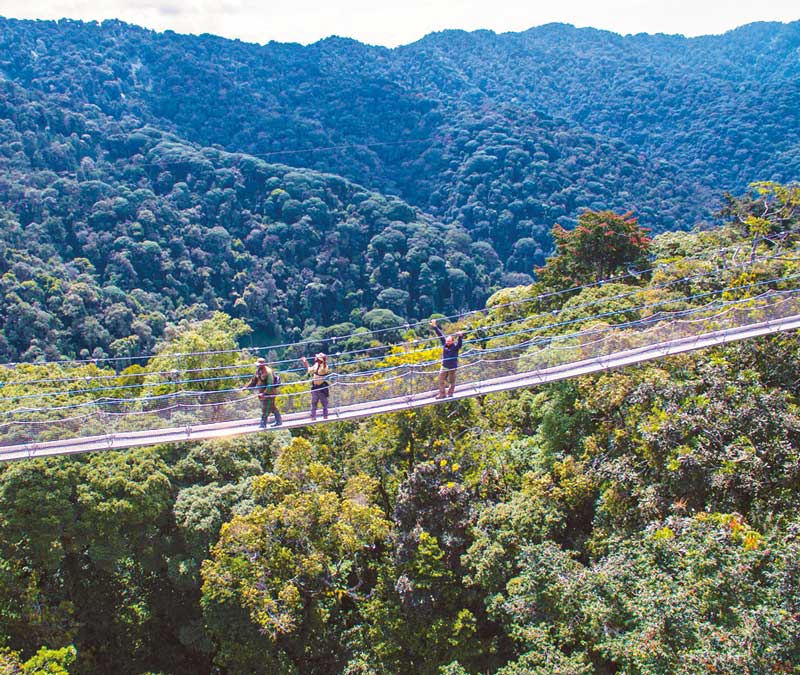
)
(637, 521)
(168, 201)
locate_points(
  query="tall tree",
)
(602, 244)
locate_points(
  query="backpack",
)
(276, 379)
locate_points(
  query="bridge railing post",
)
(110, 424)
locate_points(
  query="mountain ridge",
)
(500, 136)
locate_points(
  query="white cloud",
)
(394, 23)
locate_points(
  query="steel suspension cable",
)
(647, 320)
(172, 382)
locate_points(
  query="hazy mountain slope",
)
(725, 108)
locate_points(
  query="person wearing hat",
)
(266, 383)
(319, 385)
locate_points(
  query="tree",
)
(601, 245)
(44, 662)
(293, 565)
(383, 320)
(768, 209)
(696, 595)
(85, 539)
(209, 344)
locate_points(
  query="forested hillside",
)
(722, 108)
(124, 156)
(111, 230)
(643, 521)
(505, 134)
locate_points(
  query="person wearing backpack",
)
(320, 387)
(266, 382)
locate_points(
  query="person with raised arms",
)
(450, 348)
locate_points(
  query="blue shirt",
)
(449, 354)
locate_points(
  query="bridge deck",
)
(117, 441)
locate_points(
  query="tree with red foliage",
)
(601, 245)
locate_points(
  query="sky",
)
(391, 23)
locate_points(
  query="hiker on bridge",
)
(266, 381)
(450, 348)
(320, 388)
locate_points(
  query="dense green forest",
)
(111, 231)
(643, 521)
(504, 134)
(466, 126)
(162, 193)
(140, 187)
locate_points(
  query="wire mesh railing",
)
(389, 386)
(214, 370)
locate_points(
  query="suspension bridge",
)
(201, 403)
